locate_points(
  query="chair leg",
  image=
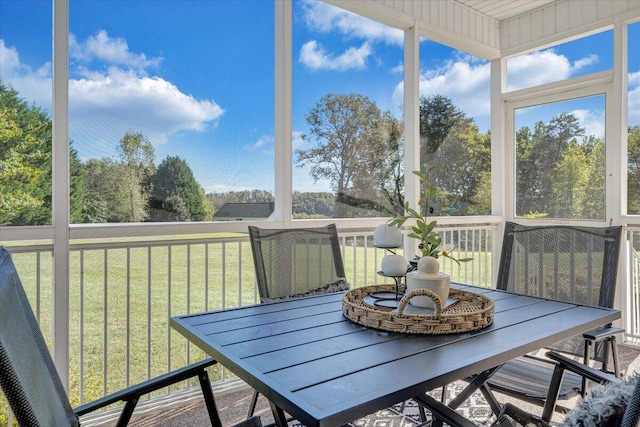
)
(209, 400)
(127, 411)
(252, 405)
(614, 356)
(421, 411)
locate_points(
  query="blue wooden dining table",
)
(311, 362)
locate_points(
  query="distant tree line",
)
(305, 204)
(351, 143)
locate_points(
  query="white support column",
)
(60, 189)
(283, 110)
(616, 163)
(502, 159)
(411, 124)
(616, 130)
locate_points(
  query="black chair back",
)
(27, 373)
(296, 262)
(565, 263)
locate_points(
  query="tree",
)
(343, 131)
(26, 164)
(107, 183)
(438, 115)
(452, 141)
(544, 158)
(18, 178)
(136, 156)
(388, 174)
(633, 171)
(463, 159)
(308, 204)
(175, 178)
(217, 200)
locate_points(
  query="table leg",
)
(477, 383)
(278, 415)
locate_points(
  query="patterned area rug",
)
(406, 414)
(233, 407)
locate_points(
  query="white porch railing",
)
(122, 294)
(632, 294)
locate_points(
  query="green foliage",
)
(18, 177)
(633, 171)
(348, 134)
(217, 200)
(136, 158)
(313, 205)
(560, 173)
(25, 164)
(175, 178)
(108, 185)
(438, 116)
(464, 159)
(177, 208)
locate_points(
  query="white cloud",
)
(325, 18)
(593, 122)
(543, 67)
(32, 85)
(106, 104)
(584, 62)
(113, 51)
(263, 144)
(315, 57)
(537, 68)
(465, 82)
(398, 69)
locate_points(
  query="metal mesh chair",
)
(292, 263)
(297, 262)
(570, 264)
(29, 378)
(617, 403)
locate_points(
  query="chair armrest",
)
(442, 412)
(581, 369)
(145, 387)
(600, 334)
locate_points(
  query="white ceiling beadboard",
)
(504, 9)
(445, 21)
(562, 20)
(496, 28)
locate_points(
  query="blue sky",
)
(196, 77)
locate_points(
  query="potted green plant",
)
(423, 230)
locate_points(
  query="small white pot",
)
(394, 265)
(386, 236)
(427, 276)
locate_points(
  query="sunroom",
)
(528, 111)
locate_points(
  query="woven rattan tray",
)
(471, 312)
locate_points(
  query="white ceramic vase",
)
(386, 236)
(427, 276)
(394, 265)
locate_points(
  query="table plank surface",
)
(325, 370)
